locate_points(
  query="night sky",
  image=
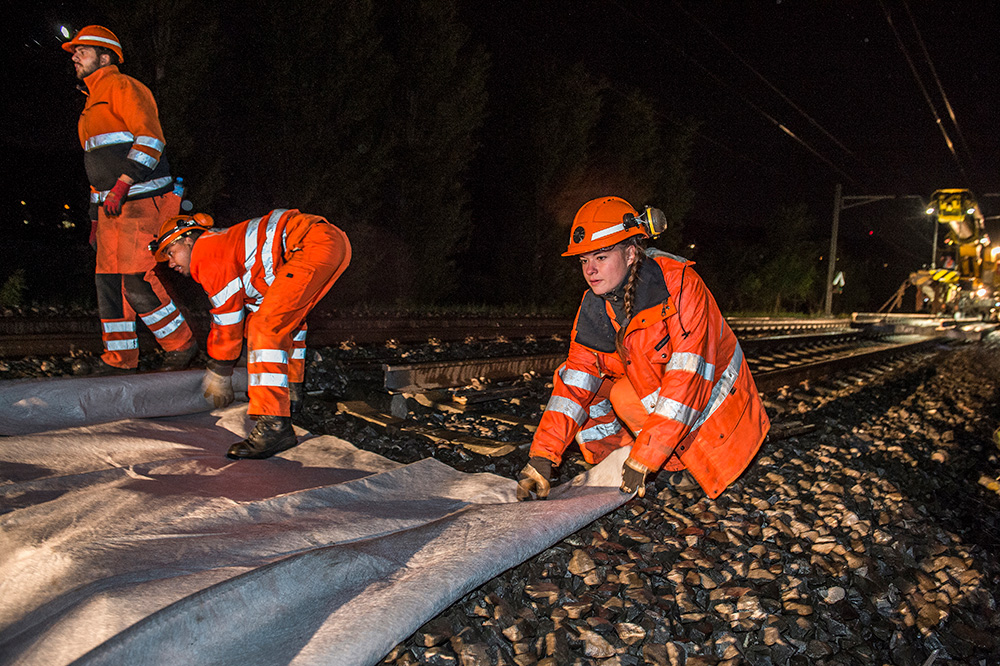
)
(834, 74)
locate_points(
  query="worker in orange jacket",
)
(652, 363)
(262, 277)
(131, 195)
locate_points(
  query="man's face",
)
(86, 61)
(179, 255)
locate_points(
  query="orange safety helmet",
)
(174, 228)
(603, 222)
(95, 35)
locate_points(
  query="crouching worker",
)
(652, 364)
(263, 277)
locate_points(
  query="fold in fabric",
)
(137, 541)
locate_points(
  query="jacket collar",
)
(593, 326)
(96, 76)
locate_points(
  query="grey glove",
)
(218, 388)
(534, 479)
(634, 478)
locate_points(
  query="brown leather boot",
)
(271, 434)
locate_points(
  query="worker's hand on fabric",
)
(218, 388)
(634, 478)
(116, 197)
(533, 481)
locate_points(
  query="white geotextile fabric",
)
(137, 541)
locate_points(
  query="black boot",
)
(180, 359)
(295, 395)
(272, 434)
(95, 366)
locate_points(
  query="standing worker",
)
(262, 277)
(131, 195)
(652, 363)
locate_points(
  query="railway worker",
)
(652, 364)
(262, 277)
(131, 194)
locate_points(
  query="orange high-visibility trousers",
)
(275, 332)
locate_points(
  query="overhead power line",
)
(937, 80)
(923, 90)
(742, 97)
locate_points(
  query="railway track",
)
(36, 336)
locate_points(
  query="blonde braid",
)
(630, 287)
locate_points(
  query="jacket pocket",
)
(725, 421)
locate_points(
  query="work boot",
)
(180, 359)
(295, 397)
(94, 366)
(272, 434)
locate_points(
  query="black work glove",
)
(534, 478)
(634, 478)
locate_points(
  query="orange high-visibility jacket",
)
(686, 367)
(120, 133)
(235, 266)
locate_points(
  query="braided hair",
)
(639, 243)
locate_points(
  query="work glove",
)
(116, 197)
(534, 478)
(634, 478)
(218, 386)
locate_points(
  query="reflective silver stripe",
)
(688, 362)
(582, 380)
(300, 336)
(160, 314)
(118, 326)
(109, 139)
(94, 38)
(249, 256)
(140, 188)
(600, 409)
(228, 318)
(599, 431)
(649, 402)
(268, 379)
(268, 356)
(676, 411)
(299, 353)
(253, 307)
(567, 407)
(225, 293)
(724, 386)
(119, 345)
(266, 252)
(607, 232)
(169, 328)
(145, 159)
(150, 141)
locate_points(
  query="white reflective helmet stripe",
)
(597, 235)
(268, 379)
(101, 41)
(268, 356)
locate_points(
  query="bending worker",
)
(131, 195)
(262, 276)
(652, 364)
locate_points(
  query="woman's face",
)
(605, 269)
